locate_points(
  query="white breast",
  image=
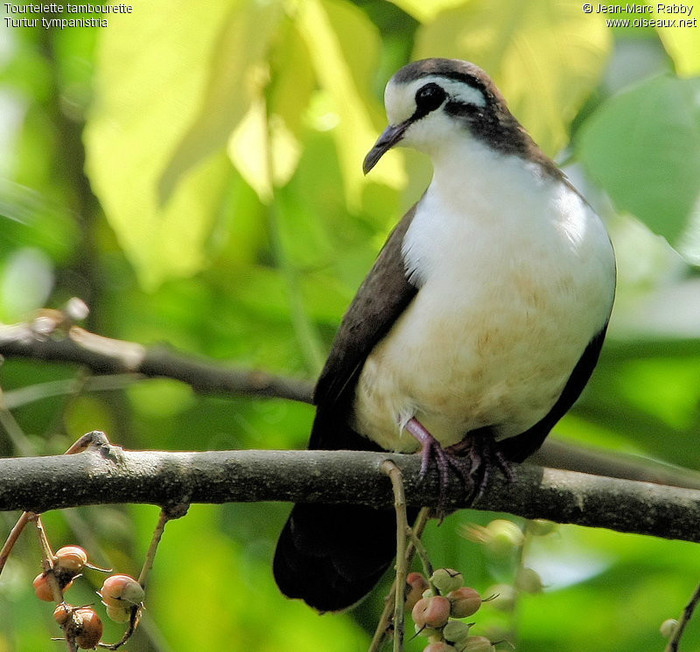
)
(515, 278)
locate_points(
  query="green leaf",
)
(545, 56)
(150, 74)
(643, 147)
(250, 612)
(261, 155)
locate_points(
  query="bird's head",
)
(432, 102)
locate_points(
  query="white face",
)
(400, 102)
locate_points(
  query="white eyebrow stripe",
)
(456, 90)
(399, 97)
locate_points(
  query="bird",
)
(474, 332)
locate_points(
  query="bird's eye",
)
(429, 98)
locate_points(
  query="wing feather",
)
(382, 297)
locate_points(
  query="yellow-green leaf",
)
(545, 56)
(265, 147)
(238, 75)
(683, 46)
(152, 68)
(264, 151)
(423, 10)
(344, 48)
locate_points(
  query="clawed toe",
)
(471, 459)
(484, 454)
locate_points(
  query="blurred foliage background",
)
(193, 172)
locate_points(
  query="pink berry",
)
(42, 587)
(89, 630)
(440, 646)
(416, 584)
(71, 559)
(431, 612)
(121, 590)
(464, 602)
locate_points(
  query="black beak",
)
(391, 135)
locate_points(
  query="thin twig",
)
(422, 553)
(15, 433)
(94, 438)
(394, 473)
(47, 555)
(384, 624)
(22, 396)
(47, 560)
(12, 538)
(103, 355)
(674, 643)
(153, 547)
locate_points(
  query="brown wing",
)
(382, 297)
(332, 555)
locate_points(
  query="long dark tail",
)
(331, 556)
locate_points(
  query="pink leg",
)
(444, 460)
(429, 446)
(471, 458)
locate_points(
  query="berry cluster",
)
(122, 595)
(438, 604)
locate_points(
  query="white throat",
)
(485, 206)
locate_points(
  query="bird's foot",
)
(444, 458)
(472, 460)
(484, 454)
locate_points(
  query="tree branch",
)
(108, 474)
(104, 355)
(573, 457)
(49, 338)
